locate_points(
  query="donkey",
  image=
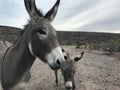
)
(68, 70)
(38, 40)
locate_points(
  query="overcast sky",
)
(73, 15)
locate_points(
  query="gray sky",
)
(73, 15)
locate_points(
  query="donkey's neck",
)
(23, 39)
(18, 60)
(25, 59)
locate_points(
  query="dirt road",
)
(95, 71)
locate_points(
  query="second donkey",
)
(68, 69)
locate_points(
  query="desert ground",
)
(95, 71)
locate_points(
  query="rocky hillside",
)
(66, 38)
(86, 37)
(9, 33)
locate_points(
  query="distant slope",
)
(87, 37)
(65, 38)
(10, 33)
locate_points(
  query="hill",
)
(95, 40)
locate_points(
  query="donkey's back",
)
(3, 48)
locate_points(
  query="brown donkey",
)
(68, 70)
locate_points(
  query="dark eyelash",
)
(42, 32)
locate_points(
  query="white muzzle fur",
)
(56, 54)
(68, 84)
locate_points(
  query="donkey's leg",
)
(56, 77)
(74, 86)
(27, 76)
(24, 82)
(19, 86)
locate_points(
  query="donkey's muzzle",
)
(55, 58)
(68, 85)
(58, 62)
(54, 67)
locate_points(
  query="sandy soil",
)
(95, 71)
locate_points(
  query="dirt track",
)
(95, 71)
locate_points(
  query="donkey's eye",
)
(42, 32)
(74, 71)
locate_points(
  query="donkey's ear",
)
(77, 59)
(50, 15)
(32, 9)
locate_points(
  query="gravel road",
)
(95, 71)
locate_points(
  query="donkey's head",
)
(68, 70)
(43, 41)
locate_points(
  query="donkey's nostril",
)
(58, 62)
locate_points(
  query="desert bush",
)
(111, 47)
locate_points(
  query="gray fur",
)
(68, 69)
(18, 58)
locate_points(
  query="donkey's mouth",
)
(54, 67)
